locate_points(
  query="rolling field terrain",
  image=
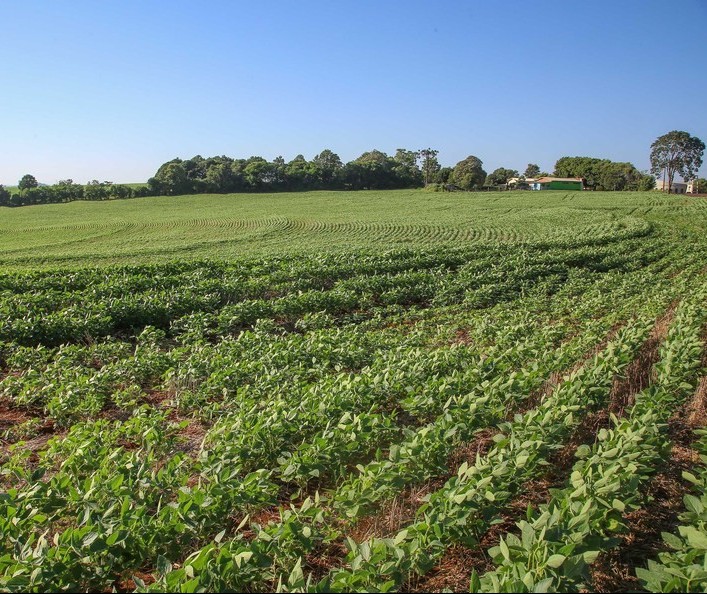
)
(370, 391)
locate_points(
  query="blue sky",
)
(109, 91)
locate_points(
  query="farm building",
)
(675, 188)
(521, 183)
(558, 183)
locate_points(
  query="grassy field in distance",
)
(236, 225)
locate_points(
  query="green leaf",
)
(688, 476)
(504, 550)
(474, 582)
(693, 504)
(673, 541)
(583, 451)
(695, 538)
(619, 505)
(163, 565)
(555, 561)
(543, 586)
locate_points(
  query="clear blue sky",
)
(112, 90)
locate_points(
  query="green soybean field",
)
(365, 391)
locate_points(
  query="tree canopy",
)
(603, 174)
(532, 170)
(469, 174)
(500, 176)
(28, 181)
(676, 152)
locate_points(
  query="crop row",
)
(558, 543)
(117, 304)
(234, 564)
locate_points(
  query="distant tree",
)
(36, 195)
(259, 174)
(444, 175)
(676, 152)
(601, 174)
(405, 169)
(329, 168)
(119, 191)
(646, 182)
(532, 170)
(65, 190)
(430, 164)
(4, 196)
(171, 178)
(196, 167)
(469, 174)
(95, 190)
(373, 170)
(28, 181)
(500, 176)
(700, 185)
(219, 178)
(300, 174)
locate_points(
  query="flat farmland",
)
(236, 225)
(355, 391)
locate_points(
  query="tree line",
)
(30, 192)
(675, 152)
(373, 170)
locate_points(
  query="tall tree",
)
(430, 164)
(532, 170)
(405, 169)
(4, 196)
(500, 176)
(171, 178)
(28, 181)
(469, 173)
(329, 167)
(676, 152)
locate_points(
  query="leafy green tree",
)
(4, 196)
(95, 190)
(258, 173)
(532, 170)
(676, 152)
(700, 185)
(500, 176)
(444, 175)
(300, 174)
(171, 178)
(430, 164)
(329, 168)
(28, 181)
(119, 191)
(374, 170)
(646, 183)
(65, 190)
(601, 174)
(219, 178)
(405, 169)
(196, 167)
(469, 173)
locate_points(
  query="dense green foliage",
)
(676, 152)
(603, 174)
(232, 393)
